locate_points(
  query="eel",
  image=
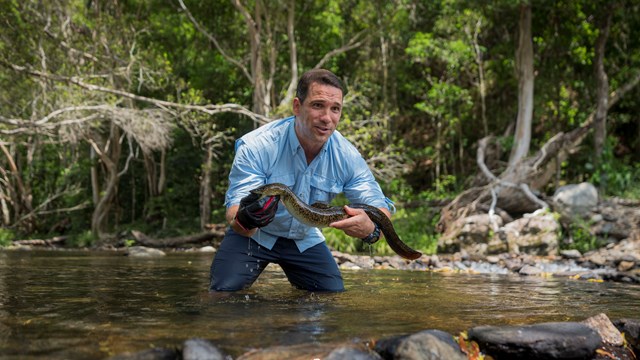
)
(321, 215)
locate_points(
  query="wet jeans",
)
(240, 260)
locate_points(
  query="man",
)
(306, 153)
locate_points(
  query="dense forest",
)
(120, 115)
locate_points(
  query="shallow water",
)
(70, 305)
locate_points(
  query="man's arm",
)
(358, 223)
(231, 216)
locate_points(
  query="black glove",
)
(254, 212)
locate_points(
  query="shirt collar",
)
(294, 143)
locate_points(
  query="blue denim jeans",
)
(240, 260)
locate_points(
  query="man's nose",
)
(326, 114)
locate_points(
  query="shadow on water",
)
(92, 305)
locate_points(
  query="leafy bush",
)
(82, 239)
(416, 227)
(616, 176)
(581, 238)
(6, 236)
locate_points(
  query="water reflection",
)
(87, 305)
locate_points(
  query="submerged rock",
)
(150, 354)
(301, 351)
(560, 340)
(200, 349)
(352, 353)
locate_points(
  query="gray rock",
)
(605, 329)
(200, 349)
(537, 235)
(575, 200)
(351, 353)
(571, 254)
(564, 340)
(631, 329)
(428, 345)
(470, 234)
(144, 252)
(207, 249)
(530, 270)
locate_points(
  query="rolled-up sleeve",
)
(245, 174)
(363, 187)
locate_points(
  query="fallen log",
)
(143, 239)
(57, 240)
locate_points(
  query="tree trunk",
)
(600, 120)
(286, 101)
(18, 191)
(524, 64)
(152, 176)
(205, 188)
(95, 179)
(254, 28)
(110, 156)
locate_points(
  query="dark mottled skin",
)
(321, 215)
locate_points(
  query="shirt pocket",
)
(287, 179)
(324, 189)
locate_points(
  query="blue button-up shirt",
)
(273, 154)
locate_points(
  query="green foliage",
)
(416, 227)
(413, 70)
(6, 237)
(581, 237)
(82, 239)
(615, 176)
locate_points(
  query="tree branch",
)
(215, 42)
(208, 109)
(352, 44)
(293, 56)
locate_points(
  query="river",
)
(82, 304)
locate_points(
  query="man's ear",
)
(296, 106)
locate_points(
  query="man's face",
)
(318, 117)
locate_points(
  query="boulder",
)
(575, 200)
(605, 329)
(424, 345)
(471, 233)
(561, 340)
(535, 235)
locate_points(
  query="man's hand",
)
(255, 212)
(357, 225)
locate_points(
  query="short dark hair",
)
(321, 76)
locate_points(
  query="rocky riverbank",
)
(619, 262)
(616, 262)
(594, 338)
